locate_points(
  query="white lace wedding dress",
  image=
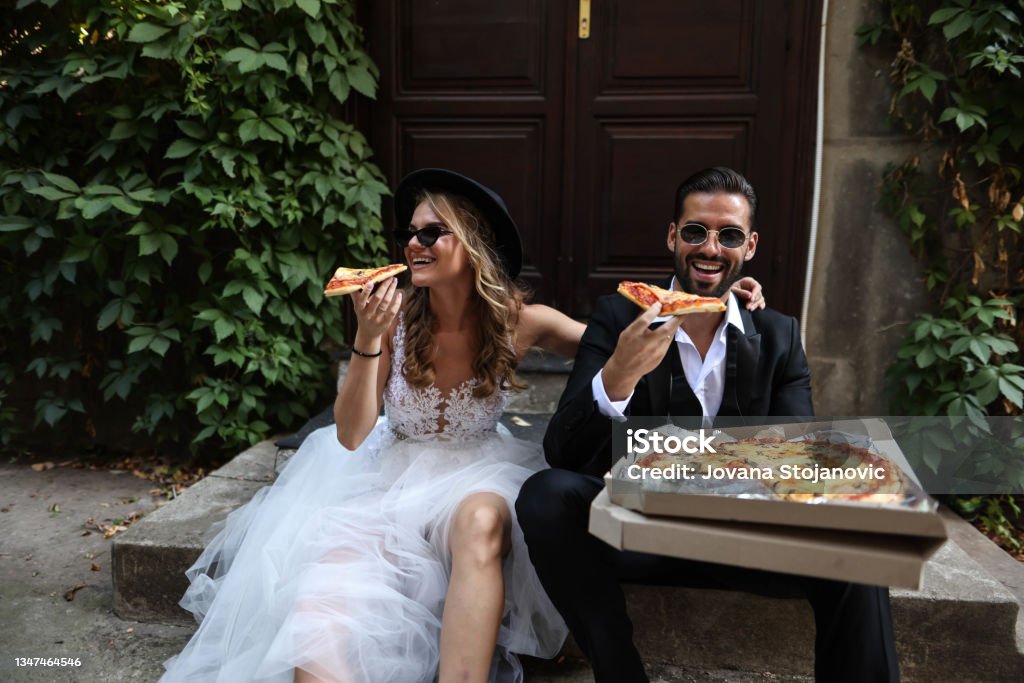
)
(341, 567)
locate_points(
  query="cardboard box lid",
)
(843, 515)
(877, 559)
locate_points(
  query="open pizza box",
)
(870, 558)
(918, 518)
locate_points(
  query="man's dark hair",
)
(716, 179)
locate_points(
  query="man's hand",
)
(638, 351)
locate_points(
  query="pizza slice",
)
(348, 280)
(672, 302)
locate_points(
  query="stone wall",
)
(866, 286)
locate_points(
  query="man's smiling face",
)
(709, 269)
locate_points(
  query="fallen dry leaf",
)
(5, 509)
(86, 533)
(70, 594)
(95, 567)
(55, 508)
(40, 466)
(130, 630)
(519, 422)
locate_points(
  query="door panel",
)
(677, 44)
(462, 46)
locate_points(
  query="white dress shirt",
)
(706, 376)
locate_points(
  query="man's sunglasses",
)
(695, 234)
(425, 236)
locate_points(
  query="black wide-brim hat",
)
(508, 244)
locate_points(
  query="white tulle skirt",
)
(341, 567)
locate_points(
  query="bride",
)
(388, 550)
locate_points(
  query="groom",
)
(734, 363)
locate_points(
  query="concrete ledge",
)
(148, 561)
(541, 394)
(960, 625)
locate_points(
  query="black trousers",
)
(582, 575)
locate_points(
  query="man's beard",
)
(730, 275)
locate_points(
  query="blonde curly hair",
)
(498, 302)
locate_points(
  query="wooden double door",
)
(587, 138)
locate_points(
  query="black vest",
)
(683, 402)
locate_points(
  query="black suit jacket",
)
(766, 375)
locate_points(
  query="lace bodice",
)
(417, 413)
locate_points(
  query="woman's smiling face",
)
(443, 261)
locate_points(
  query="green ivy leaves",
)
(957, 364)
(177, 187)
(956, 69)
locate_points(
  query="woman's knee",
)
(481, 532)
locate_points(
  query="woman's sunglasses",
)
(425, 236)
(696, 234)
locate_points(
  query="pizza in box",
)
(810, 470)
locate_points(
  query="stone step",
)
(571, 670)
(963, 624)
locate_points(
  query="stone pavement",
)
(44, 555)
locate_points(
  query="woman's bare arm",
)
(358, 403)
(549, 329)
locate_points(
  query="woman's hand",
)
(376, 308)
(748, 290)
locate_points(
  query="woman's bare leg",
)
(476, 594)
(312, 607)
(303, 676)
